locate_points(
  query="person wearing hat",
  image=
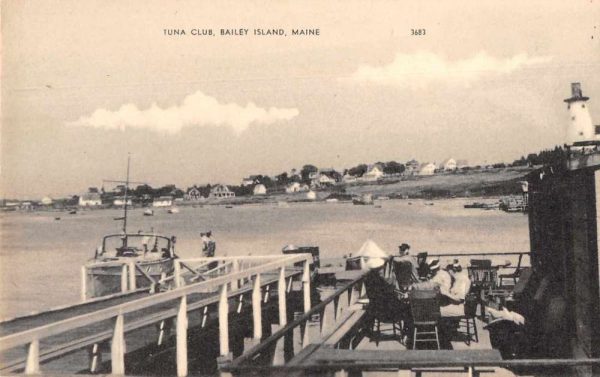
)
(452, 303)
(405, 257)
(440, 279)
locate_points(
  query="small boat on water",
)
(73, 212)
(173, 210)
(364, 199)
(128, 261)
(150, 254)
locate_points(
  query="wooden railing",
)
(226, 285)
(330, 312)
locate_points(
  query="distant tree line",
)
(551, 157)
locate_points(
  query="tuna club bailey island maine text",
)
(242, 32)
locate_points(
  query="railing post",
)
(257, 308)
(182, 325)
(33, 358)
(95, 357)
(177, 272)
(281, 287)
(224, 322)
(306, 286)
(204, 316)
(307, 305)
(235, 267)
(117, 349)
(124, 278)
(83, 283)
(161, 332)
(132, 283)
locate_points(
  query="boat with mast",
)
(123, 258)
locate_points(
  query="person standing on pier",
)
(208, 248)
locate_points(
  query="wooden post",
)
(132, 283)
(235, 267)
(124, 278)
(281, 286)
(33, 358)
(95, 357)
(177, 272)
(257, 308)
(324, 318)
(117, 349)
(83, 283)
(224, 322)
(306, 286)
(204, 316)
(240, 304)
(307, 304)
(182, 352)
(161, 332)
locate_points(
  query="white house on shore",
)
(412, 167)
(163, 201)
(90, 199)
(193, 194)
(47, 201)
(373, 173)
(448, 165)
(120, 201)
(292, 188)
(259, 189)
(321, 180)
(427, 168)
(221, 192)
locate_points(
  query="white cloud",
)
(422, 68)
(196, 110)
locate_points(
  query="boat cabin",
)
(135, 246)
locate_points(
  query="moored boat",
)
(148, 212)
(149, 257)
(365, 199)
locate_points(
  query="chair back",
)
(424, 306)
(353, 264)
(471, 301)
(404, 273)
(383, 302)
(422, 263)
(481, 273)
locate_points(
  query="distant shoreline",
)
(470, 184)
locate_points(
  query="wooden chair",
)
(384, 305)
(482, 274)
(403, 270)
(425, 310)
(471, 302)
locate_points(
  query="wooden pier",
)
(106, 334)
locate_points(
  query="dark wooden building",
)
(564, 205)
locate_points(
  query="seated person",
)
(453, 301)
(404, 256)
(440, 279)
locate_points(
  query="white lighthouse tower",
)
(580, 126)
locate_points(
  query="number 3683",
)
(418, 32)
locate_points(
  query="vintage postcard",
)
(312, 188)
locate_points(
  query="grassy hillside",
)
(493, 182)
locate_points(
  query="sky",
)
(84, 83)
